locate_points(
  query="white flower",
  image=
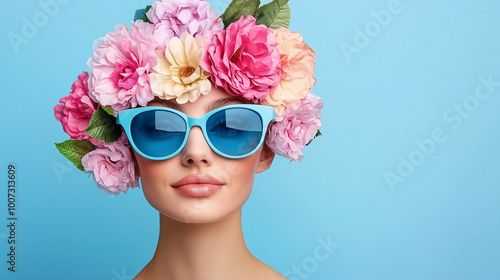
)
(178, 74)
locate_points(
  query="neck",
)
(201, 251)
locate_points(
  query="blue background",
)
(441, 220)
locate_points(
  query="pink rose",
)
(243, 59)
(297, 67)
(120, 66)
(173, 17)
(76, 109)
(295, 128)
(112, 166)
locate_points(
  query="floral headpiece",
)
(179, 49)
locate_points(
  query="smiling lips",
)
(199, 185)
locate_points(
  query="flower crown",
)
(179, 49)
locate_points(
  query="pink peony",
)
(112, 166)
(297, 67)
(243, 59)
(76, 109)
(173, 17)
(120, 67)
(295, 128)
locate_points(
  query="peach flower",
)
(297, 67)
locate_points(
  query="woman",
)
(200, 226)
(194, 110)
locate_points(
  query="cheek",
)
(239, 175)
(239, 171)
(151, 172)
(155, 186)
(153, 177)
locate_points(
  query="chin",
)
(196, 210)
(200, 213)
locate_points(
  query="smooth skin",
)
(201, 238)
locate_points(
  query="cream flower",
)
(178, 74)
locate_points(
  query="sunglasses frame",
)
(266, 114)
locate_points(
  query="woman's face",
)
(233, 177)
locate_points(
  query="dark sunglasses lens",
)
(158, 133)
(235, 131)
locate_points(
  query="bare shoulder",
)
(264, 271)
(139, 276)
(142, 275)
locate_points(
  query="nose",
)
(196, 152)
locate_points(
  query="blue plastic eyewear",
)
(234, 131)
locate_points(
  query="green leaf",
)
(274, 14)
(144, 17)
(103, 126)
(318, 133)
(108, 110)
(74, 150)
(238, 8)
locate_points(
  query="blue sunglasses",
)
(234, 131)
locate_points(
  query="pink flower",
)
(120, 67)
(76, 109)
(243, 59)
(171, 18)
(295, 128)
(112, 166)
(297, 66)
